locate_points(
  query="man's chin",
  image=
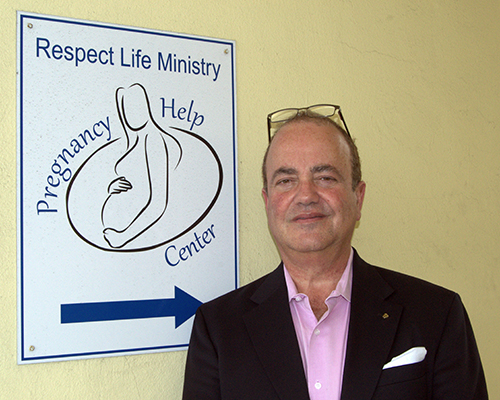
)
(308, 243)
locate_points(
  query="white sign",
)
(127, 195)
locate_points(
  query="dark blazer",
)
(243, 344)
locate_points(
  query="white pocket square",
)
(412, 356)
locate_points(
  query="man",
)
(325, 324)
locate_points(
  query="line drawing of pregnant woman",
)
(139, 196)
(148, 185)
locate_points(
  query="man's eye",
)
(327, 180)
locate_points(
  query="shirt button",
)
(298, 298)
(316, 332)
(317, 385)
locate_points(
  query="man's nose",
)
(307, 192)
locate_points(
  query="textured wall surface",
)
(419, 86)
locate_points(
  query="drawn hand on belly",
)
(119, 185)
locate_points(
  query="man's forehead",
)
(311, 145)
(305, 120)
(313, 129)
(302, 136)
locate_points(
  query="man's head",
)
(355, 160)
(313, 190)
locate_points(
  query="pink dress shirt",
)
(323, 343)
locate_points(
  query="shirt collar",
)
(344, 286)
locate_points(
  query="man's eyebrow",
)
(283, 171)
(323, 168)
(326, 168)
(315, 170)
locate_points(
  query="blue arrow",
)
(182, 307)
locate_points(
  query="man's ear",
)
(264, 196)
(360, 196)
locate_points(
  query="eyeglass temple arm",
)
(269, 128)
(343, 121)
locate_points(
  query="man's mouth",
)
(308, 217)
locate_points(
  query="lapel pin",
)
(385, 316)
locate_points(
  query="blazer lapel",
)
(271, 330)
(372, 328)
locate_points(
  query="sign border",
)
(22, 16)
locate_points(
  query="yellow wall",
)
(419, 85)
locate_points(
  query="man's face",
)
(310, 203)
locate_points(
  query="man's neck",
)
(317, 275)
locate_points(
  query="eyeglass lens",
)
(320, 110)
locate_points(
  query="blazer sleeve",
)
(201, 379)
(458, 373)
